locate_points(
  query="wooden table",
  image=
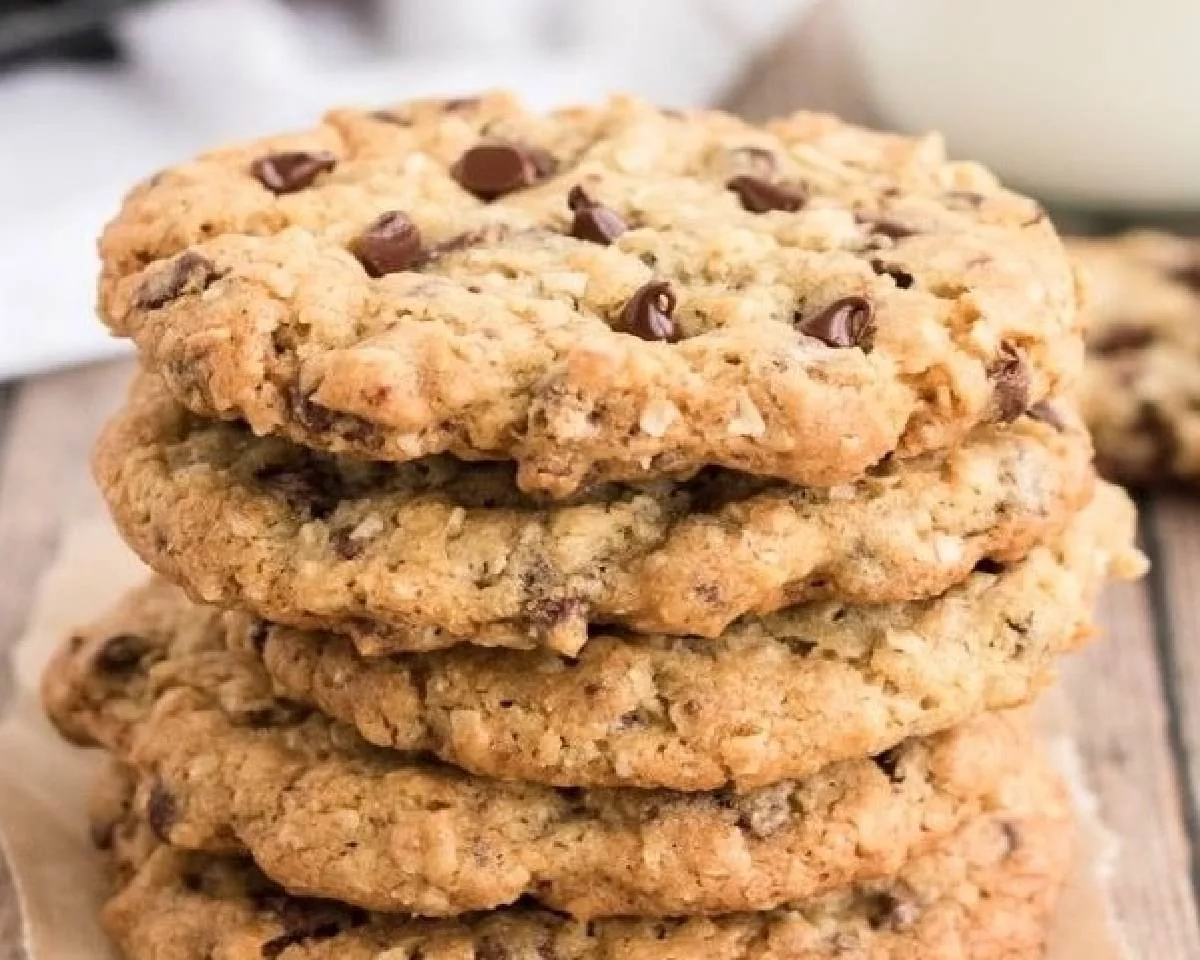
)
(1136, 693)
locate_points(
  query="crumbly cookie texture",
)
(431, 553)
(599, 293)
(985, 893)
(227, 767)
(776, 698)
(1141, 386)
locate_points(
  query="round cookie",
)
(1141, 387)
(604, 292)
(431, 553)
(985, 893)
(772, 698)
(227, 768)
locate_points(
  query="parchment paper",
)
(44, 784)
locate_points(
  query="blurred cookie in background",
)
(1141, 387)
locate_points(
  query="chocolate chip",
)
(258, 634)
(593, 222)
(392, 117)
(188, 273)
(988, 565)
(1012, 835)
(311, 920)
(886, 912)
(120, 654)
(291, 171)
(901, 277)
(1188, 274)
(102, 834)
(314, 490)
(490, 170)
(848, 322)
(886, 226)
(648, 313)
(460, 104)
(889, 763)
(161, 811)
(1121, 338)
(1010, 390)
(390, 244)
(1046, 412)
(758, 195)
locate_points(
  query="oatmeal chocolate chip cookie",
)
(226, 767)
(1141, 386)
(430, 553)
(606, 292)
(775, 698)
(986, 893)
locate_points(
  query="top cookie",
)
(599, 293)
(1141, 389)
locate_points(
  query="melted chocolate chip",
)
(648, 313)
(392, 117)
(311, 920)
(390, 244)
(258, 635)
(758, 195)
(593, 222)
(1010, 385)
(161, 811)
(460, 104)
(887, 226)
(1012, 835)
(1046, 412)
(121, 654)
(314, 491)
(102, 834)
(848, 322)
(886, 912)
(1188, 275)
(1121, 338)
(188, 273)
(291, 171)
(889, 763)
(493, 169)
(901, 277)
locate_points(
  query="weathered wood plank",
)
(1123, 727)
(1175, 528)
(46, 429)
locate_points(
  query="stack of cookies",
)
(617, 533)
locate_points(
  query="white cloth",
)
(201, 71)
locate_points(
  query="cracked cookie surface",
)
(985, 892)
(599, 293)
(226, 767)
(1141, 385)
(431, 553)
(772, 698)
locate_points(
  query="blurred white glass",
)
(1091, 102)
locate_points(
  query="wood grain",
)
(46, 431)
